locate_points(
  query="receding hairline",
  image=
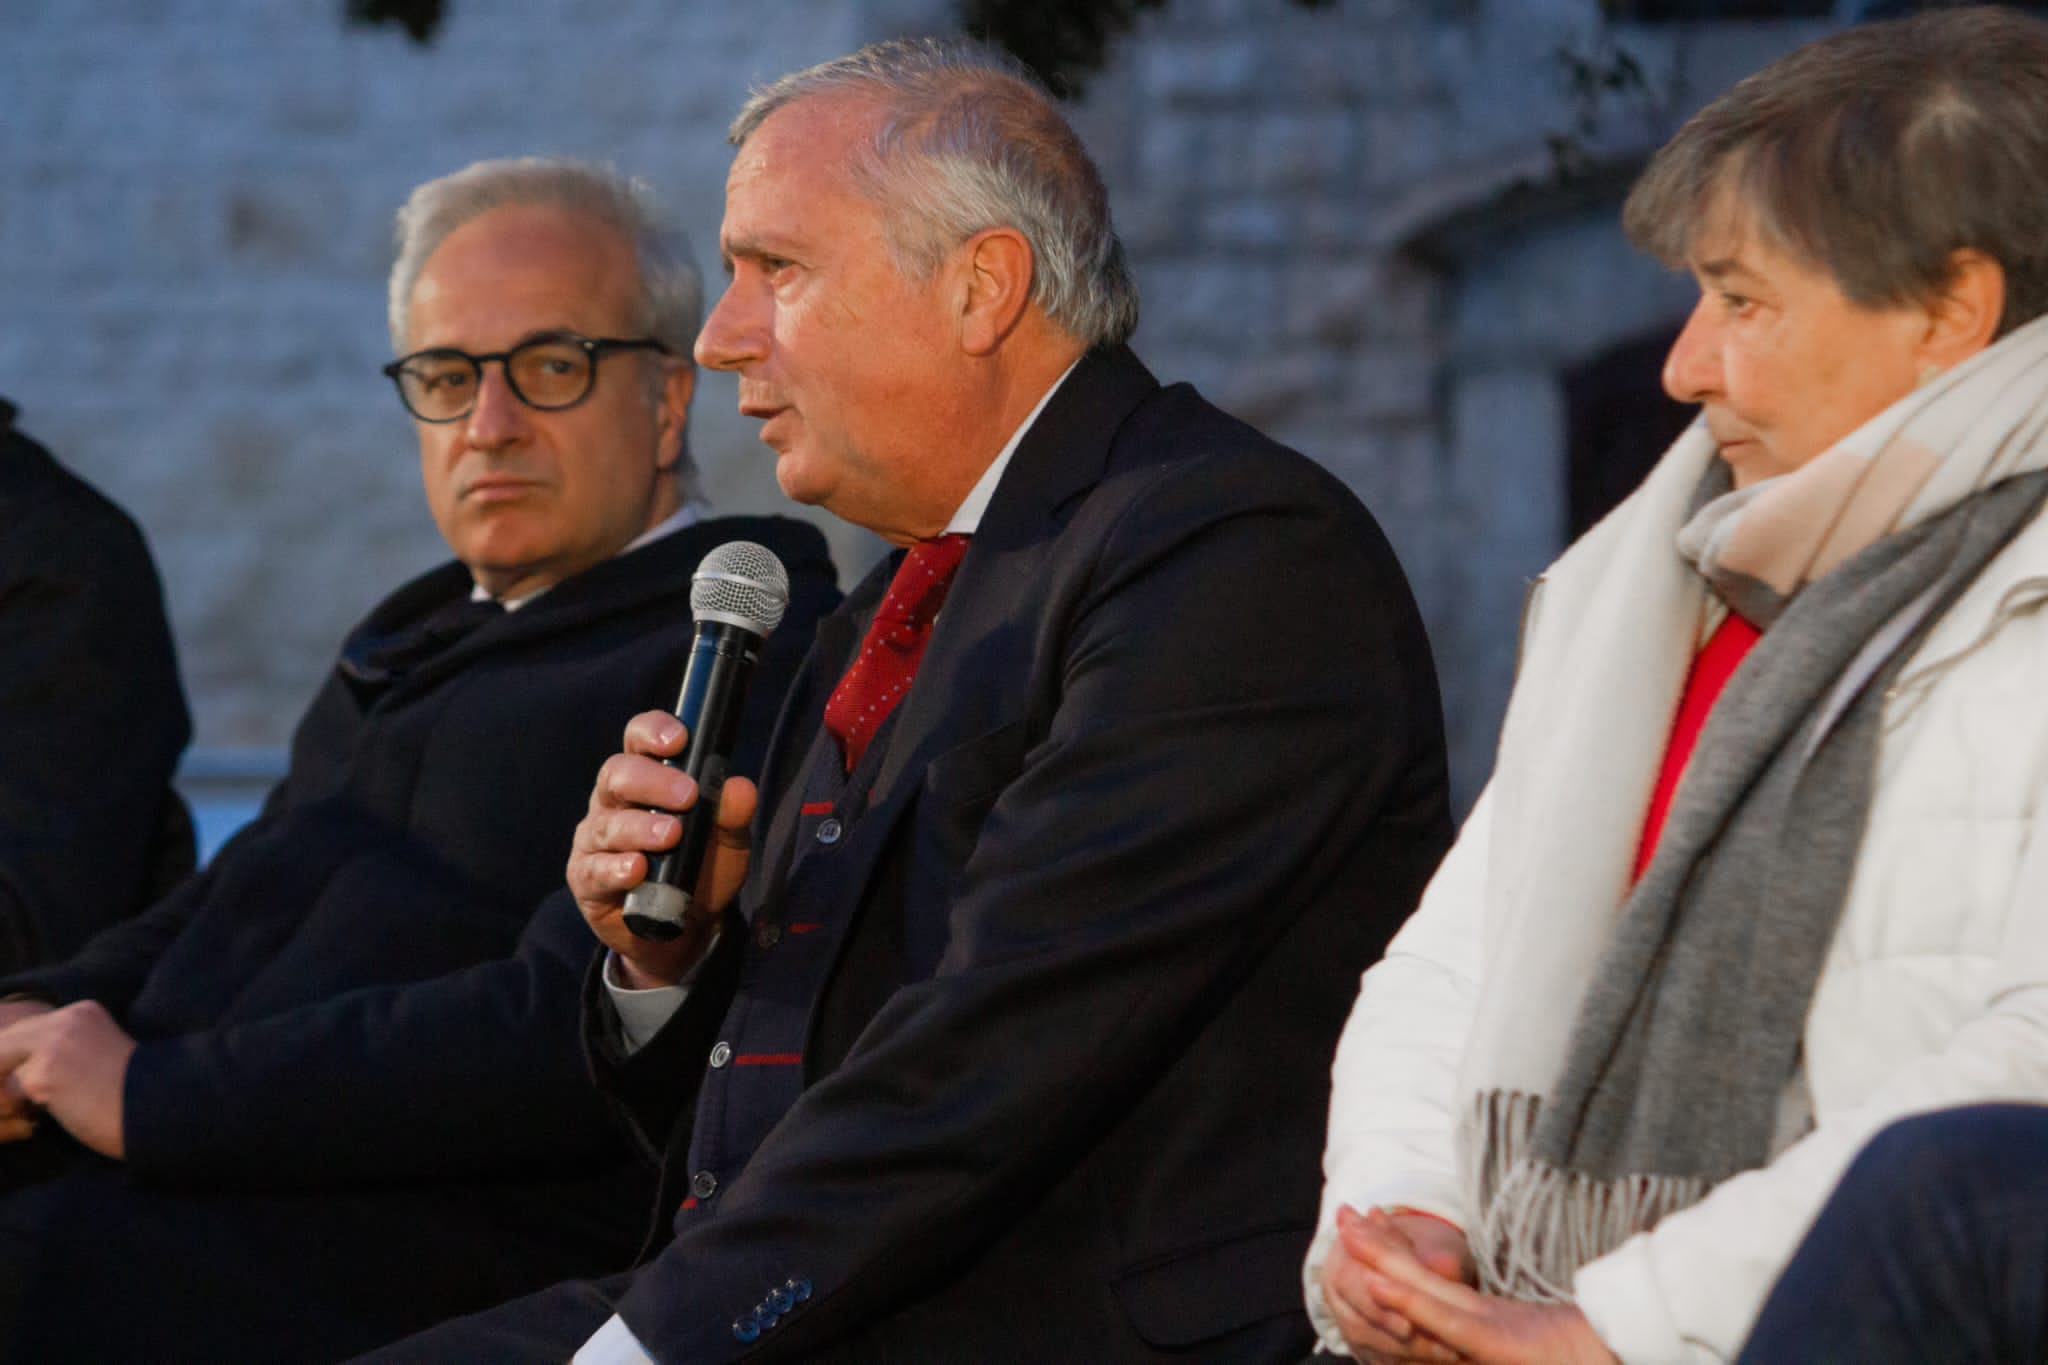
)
(948, 71)
(583, 220)
(766, 238)
(964, 140)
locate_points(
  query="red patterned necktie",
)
(894, 644)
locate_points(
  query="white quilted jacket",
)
(1935, 992)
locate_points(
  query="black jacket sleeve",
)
(94, 717)
(113, 967)
(467, 1073)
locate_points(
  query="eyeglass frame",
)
(594, 349)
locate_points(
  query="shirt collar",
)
(967, 516)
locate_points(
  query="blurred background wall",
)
(1382, 230)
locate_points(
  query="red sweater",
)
(1711, 669)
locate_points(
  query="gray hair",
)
(1876, 154)
(969, 141)
(670, 302)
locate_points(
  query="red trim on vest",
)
(1711, 668)
(805, 927)
(768, 1059)
(815, 808)
(690, 1203)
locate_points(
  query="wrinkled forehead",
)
(792, 181)
(813, 135)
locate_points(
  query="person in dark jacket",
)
(1015, 1045)
(92, 718)
(330, 1088)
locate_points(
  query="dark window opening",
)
(1618, 420)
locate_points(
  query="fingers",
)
(1373, 1237)
(18, 1113)
(1433, 1307)
(627, 781)
(14, 1100)
(607, 854)
(633, 815)
(1445, 1310)
(657, 733)
(1366, 1340)
(737, 800)
(14, 1011)
(604, 878)
(1373, 1330)
(634, 830)
(1370, 1242)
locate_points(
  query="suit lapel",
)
(1059, 459)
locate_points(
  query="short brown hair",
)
(1877, 153)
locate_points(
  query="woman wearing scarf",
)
(1763, 863)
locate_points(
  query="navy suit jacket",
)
(1040, 1028)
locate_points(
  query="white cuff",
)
(614, 1343)
(643, 1013)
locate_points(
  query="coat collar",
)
(1062, 455)
(1067, 448)
(656, 573)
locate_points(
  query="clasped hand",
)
(613, 843)
(69, 1064)
(1400, 1289)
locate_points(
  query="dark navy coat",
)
(358, 1104)
(92, 718)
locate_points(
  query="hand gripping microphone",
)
(737, 596)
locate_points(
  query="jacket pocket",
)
(1197, 1295)
(970, 774)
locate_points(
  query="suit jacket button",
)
(800, 1290)
(829, 830)
(703, 1184)
(746, 1329)
(720, 1055)
(768, 934)
(780, 1301)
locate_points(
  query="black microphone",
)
(737, 596)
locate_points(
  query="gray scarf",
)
(1689, 1027)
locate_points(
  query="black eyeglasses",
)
(549, 373)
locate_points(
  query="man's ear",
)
(995, 276)
(677, 384)
(1963, 318)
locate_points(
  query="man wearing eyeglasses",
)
(330, 1090)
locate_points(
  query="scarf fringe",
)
(1539, 1223)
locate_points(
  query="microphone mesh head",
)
(741, 584)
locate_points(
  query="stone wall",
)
(1344, 222)
(194, 231)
